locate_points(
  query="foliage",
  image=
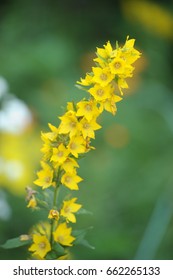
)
(63, 146)
(129, 175)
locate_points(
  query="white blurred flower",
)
(3, 86)
(5, 210)
(14, 116)
(13, 169)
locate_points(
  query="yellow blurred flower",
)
(88, 109)
(63, 235)
(100, 93)
(69, 123)
(88, 128)
(71, 180)
(85, 82)
(105, 52)
(77, 146)
(19, 154)
(60, 154)
(42, 228)
(45, 176)
(151, 15)
(102, 76)
(53, 214)
(70, 207)
(41, 245)
(69, 164)
(110, 104)
(117, 136)
(32, 202)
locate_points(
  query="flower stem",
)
(56, 191)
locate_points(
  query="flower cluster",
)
(65, 144)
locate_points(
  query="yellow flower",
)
(88, 147)
(46, 148)
(70, 180)
(67, 256)
(70, 106)
(110, 104)
(103, 54)
(45, 176)
(85, 82)
(60, 154)
(102, 76)
(70, 207)
(69, 165)
(122, 84)
(41, 245)
(128, 52)
(88, 109)
(63, 235)
(87, 128)
(69, 123)
(32, 202)
(117, 66)
(53, 214)
(106, 52)
(53, 128)
(29, 193)
(100, 93)
(76, 146)
(120, 67)
(129, 44)
(43, 228)
(48, 138)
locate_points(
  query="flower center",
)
(103, 77)
(42, 245)
(100, 92)
(68, 179)
(73, 146)
(47, 179)
(88, 107)
(67, 209)
(60, 238)
(73, 124)
(86, 125)
(117, 65)
(60, 154)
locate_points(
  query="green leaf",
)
(80, 156)
(84, 211)
(58, 251)
(85, 243)
(102, 58)
(51, 255)
(117, 46)
(81, 232)
(80, 237)
(81, 87)
(42, 203)
(58, 248)
(15, 243)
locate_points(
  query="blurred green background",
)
(45, 47)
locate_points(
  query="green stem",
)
(56, 192)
